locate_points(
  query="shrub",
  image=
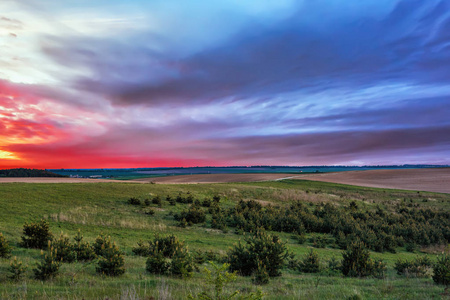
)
(157, 200)
(181, 264)
(417, 267)
(319, 241)
(260, 248)
(218, 221)
(171, 200)
(220, 277)
(111, 262)
(201, 257)
(142, 249)
(83, 250)
(134, 201)
(157, 264)
(357, 262)
(101, 243)
(411, 247)
(64, 250)
(378, 269)
(36, 234)
(5, 249)
(150, 212)
(261, 276)
(206, 203)
(300, 238)
(48, 266)
(334, 265)
(310, 263)
(441, 270)
(16, 269)
(194, 215)
(167, 245)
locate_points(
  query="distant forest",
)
(21, 172)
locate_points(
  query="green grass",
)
(101, 208)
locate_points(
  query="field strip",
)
(430, 180)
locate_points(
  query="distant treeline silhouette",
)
(22, 172)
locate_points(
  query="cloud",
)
(322, 82)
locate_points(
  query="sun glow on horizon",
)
(7, 155)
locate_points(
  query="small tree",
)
(36, 234)
(64, 250)
(111, 262)
(182, 263)
(16, 269)
(82, 249)
(5, 249)
(260, 248)
(357, 262)
(219, 277)
(101, 243)
(48, 266)
(157, 263)
(310, 263)
(442, 270)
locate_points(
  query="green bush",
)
(171, 200)
(64, 250)
(219, 279)
(101, 243)
(5, 249)
(82, 249)
(310, 263)
(261, 276)
(441, 270)
(36, 234)
(334, 266)
(111, 262)
(157, 200)
(260, 248)
(157, 264)
(194, 215)
(142, 248)
(417, 267)
(149, 211)
(357, 262)
(134, 201)
(182, 263)
(167, 245)
(319, 241)
(48, 267)
(16, 269)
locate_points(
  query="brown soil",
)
(217, 178)
(431, 180)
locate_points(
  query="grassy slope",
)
(101, 207)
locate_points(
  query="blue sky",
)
(185, 83)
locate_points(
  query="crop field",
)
(107, 208)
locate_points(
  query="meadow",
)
(103, 208)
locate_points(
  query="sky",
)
(122, 84)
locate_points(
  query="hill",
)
(22, 172)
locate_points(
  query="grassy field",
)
(96, 208)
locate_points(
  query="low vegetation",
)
(274, 240)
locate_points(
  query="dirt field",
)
(217, 178)
(431, 180)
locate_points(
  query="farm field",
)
(95, 208)
(432, 180)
